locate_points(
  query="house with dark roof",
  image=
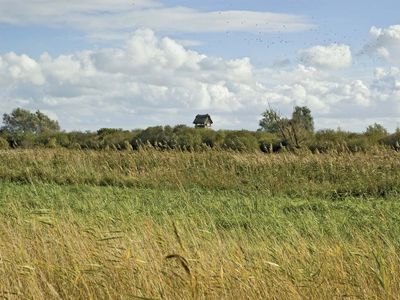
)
(202, 121)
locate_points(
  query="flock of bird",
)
(321, 34)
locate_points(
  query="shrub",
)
(268, 142)
(187, 138)
(211, 138)
(155, 136)
(240, 141)
(392, 140)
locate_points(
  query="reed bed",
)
(210, 225)
(289, 174)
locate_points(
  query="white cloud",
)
(149, 76)
(152, 80)
(326, 95)
(20, 68)
(334, 56)
(111, 19)
(386, 90)
(385, 43)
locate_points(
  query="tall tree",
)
(302, 116)
(294, 131)
(270, 121)
(21, 120)
(376, 133)
(376, 130)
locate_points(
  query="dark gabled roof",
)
(202, 119)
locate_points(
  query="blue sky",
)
(336, 21)
(138, 63)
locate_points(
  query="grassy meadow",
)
(208, 225)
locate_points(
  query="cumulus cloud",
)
(153, 80)
(323, 93)
(386, 89)
(20, 68)
(147, 77)
(350, 103)
(385, 43)
(334, 56)
(111, 19)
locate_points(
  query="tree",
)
(376, 130)
(293, 131)
(270, 121)
(302, 116)
(23, 121)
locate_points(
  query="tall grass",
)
(212, 225)
(295, 175)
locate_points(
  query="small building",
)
(202, 121)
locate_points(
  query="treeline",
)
(179, 137)
(185, 138)
(23, 129)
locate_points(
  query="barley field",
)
(209, 225)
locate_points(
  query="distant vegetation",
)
(23, 129)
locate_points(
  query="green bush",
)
(187, 138)
(268, 142)
(392, 140)
(240, 141)
(211, 138)
(155, 136)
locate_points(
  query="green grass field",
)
(212, 225)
